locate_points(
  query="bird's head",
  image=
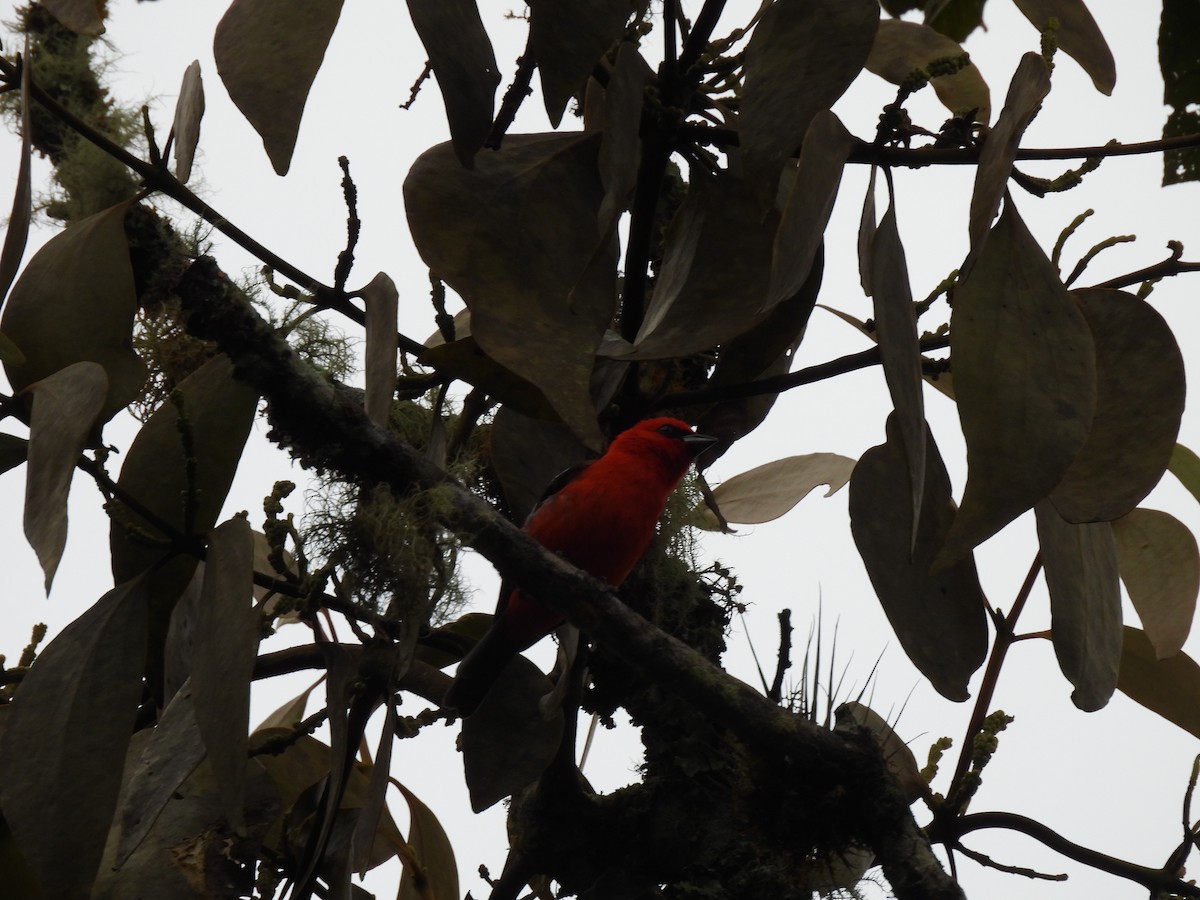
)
(670, 441)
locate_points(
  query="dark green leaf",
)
(463, 359)
(1185, 466)
(516, 238)
(620, 148)
(1025, 378)
(801, 58)
(1179, 60)
(1169, 687)
(1077, 35)
(508, 741)
(366, 829)
(1085, 603)
(17, 232)
(1030, 85)
(527, 454)
(902, 47)
(1160, 566)
(13, 452)
(939, 617)
(430, 845)
(62, 749)
(75, 301)
(65, 407)
(954, 18)
(268, 53)
(1140, 389)
(462, 60)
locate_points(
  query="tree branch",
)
(305, 411)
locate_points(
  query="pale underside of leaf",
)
(81, 16)
(1160, 566)
(382, 302)
(1077, 35)
(1140, 391)
(939, 616)
(901, 47)
(814, 188)
(1080, 562)
(76, 301)
(1169, 687)
(769, 491)
(65, 408)
(189, 110)
(1030, 85)
(1025, 380)
(461, 57)
(267, 54)
(801, 58)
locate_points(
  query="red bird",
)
(600, 516)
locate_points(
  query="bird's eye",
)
(672, 431)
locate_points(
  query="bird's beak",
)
(698, 443)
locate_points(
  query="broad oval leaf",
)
(801, 58)
(1077, 35)
(225, 642)
(1080, 562)
(189, 110)
(902, 47)
(768, 491)
(706, 294)
(382, 302)
(568, 37)
(65, 408)
(461, 57)
(267, 54)
(1025, 378)
(84, 17)
(800, 235)
(1160, 566)
(940, 617)
(75, 301)
(900, 350)
(1029, 86)
(1169, 687)
(433, 851)
(508, 742)
(516, 238)
(1140, 390)
(62, 749)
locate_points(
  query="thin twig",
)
(785, 654)
(341, 273)
(984, 860)
(513, 97)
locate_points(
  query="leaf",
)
(362, 841)
(17, 232)
(896, 754)
(65, 407)
(516, 238)
(801, 58)
(527, 454)
(1080, 562)
(866, 235)
(1140, 389)
(954, 18)
(62, 749)
(189, 110)
(620, 147)
(939, 616)
(433, 851)
(267, 54)
(900, 350)
(1024, 374)
(1030, 85)
(705, 294)
(508, 742)
(1185, 466)
(226, 641)
(463, 359)
(13, 452)
(449, 643)
(568, 37)
(1077, 35)
(382, 302)
(827, 146)
(1169, 687)
(75, 301)
(172, 753)
(1179, 62)
(768, 491)
(291, 713)
(900, 48)
(1160, 566)
(81, 16)
(461, 57)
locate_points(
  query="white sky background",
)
(1111, 780)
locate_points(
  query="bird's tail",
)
(479, 670)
